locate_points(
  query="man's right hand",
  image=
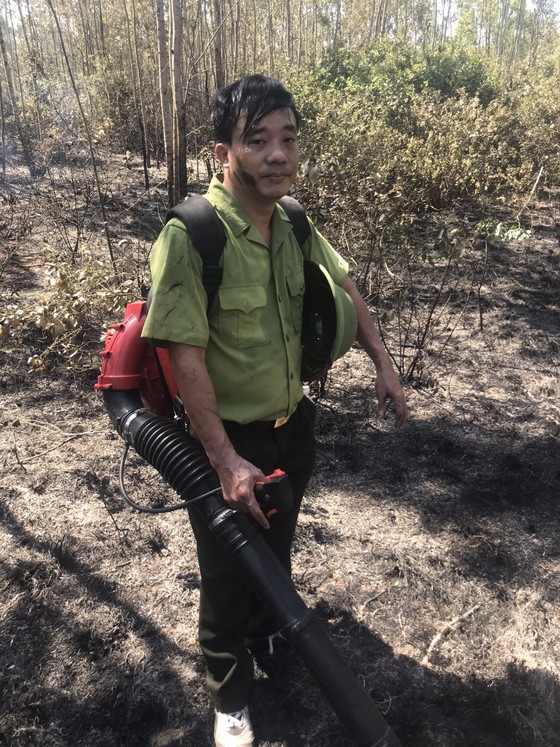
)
(238, 478)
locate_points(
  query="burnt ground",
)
(431, 556)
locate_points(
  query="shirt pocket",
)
(242, 316)
(296, 287)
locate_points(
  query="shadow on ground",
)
(114, 705)
(422, 706)
(95, 696)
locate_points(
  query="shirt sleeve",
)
(177, 310)
(320, 251)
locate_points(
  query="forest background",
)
(431, 159)
(408, 109)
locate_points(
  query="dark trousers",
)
(229, 611)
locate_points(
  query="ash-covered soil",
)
(431, 556)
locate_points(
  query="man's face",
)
(262, 166)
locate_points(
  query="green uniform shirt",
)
(252, 331)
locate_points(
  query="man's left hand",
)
(389, 389)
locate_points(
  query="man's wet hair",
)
(255, 96)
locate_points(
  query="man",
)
(237, 364)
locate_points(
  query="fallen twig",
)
(15, 450)
(531, 193)
(372, 599)
(446, 628)
(54, 448)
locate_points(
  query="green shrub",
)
(386, 160)
(536, 106)
(454, 71)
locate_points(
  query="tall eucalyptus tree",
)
(20, 124)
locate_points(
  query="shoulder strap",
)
(209, 238)
(207, 235)
(298, 218)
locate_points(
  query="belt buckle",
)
(281, 421)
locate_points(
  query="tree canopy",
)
(144, 70)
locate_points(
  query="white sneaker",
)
(233, 729)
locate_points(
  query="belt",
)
(259, 425)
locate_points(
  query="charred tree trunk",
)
(88, 136)
(20, 125)
(179, 124)
(166, 100)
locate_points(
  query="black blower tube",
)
(182, 462)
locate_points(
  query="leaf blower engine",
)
(142, 399)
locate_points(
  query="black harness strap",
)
(298, 218)
(209, 237)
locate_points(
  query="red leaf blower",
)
(141, 398)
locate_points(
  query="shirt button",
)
(279, 299)
(288, 338)
(291, 376)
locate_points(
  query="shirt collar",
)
(223, 200)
